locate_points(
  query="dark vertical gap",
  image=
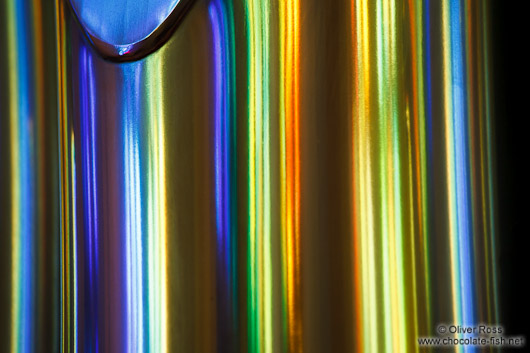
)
(509, 97)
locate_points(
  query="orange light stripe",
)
(358, 306)
(292, 172)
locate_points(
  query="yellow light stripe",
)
(448, 113)
(15, 173)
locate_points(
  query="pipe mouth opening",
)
(121, 30)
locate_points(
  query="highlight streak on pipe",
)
(363, 176)
(384, 106)
(260, 261)
(74, 260)
(146, 235)
(356, 34)
(418, 168)
(220, 15)
(162, 220)
(457, 177)
(89, 187)
(23, 230)
(135, 262)
(290, 169)
(157, 195)
(413, 135)
(15, 176)
(67, 342)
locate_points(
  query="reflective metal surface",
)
(277, 176)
